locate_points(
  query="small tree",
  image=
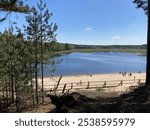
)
(32, 35)
(39, 31)
(46, 33)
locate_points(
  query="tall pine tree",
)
(39, 31)
(32, 31)
(46, 34)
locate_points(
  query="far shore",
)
(140, 51)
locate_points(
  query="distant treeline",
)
(109, 46)
(56, 46)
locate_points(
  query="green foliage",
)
(15, 70)
(21, 55)
(56, 46)
(39, 31)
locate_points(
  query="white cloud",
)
(116, 37)
(88, 28)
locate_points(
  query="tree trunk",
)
(148, 48)
(12, 86)
(32, 89)
(36, 74)
(41, 41)
(42, 71)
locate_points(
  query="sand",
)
(108, 82)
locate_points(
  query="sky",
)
(94, 22)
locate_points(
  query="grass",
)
(100, 90)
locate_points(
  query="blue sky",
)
(96, 22)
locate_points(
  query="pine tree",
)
(32, 32)
(39, 31)
(46, 34)
(15, 69)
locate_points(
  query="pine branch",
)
(142, 4)
(12, 6)
(2, 19)
(15, 8)
(6, 4)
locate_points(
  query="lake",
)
(99, 62)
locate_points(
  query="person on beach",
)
(80, 82)
(125, 73)
(130, 74)
(52, 76)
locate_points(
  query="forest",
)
(23, 55)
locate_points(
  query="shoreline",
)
(77, 75)
(95, 81)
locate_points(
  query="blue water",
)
(98, 62)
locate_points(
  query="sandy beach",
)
(95, 81)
